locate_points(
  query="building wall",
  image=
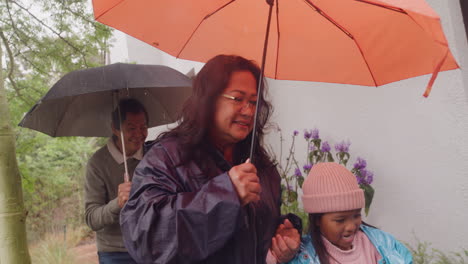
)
(417, 147)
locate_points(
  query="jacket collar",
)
(219, 159)
(118, 156)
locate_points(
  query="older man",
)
(105, 190)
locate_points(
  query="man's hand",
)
(124, 193)
(245, 180)
(286, 242)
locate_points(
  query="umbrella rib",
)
(110, 8)
(367, 64)
(391, 8)
(383, 6)
(62, 116)
(400, 10)
(344, 30)
(203, 20)
(320, 11)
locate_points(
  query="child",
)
(337, 234)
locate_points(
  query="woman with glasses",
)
(196, 197)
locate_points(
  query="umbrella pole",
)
(126, 176)
(260, 81)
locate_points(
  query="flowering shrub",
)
(292, 172)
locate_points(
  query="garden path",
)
(86, 253)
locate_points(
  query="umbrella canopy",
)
(363, 42)
(81, 102)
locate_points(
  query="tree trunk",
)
(13, 242)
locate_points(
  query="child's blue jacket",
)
(391, 250)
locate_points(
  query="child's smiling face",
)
(340, 227)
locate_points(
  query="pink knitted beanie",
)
(330, 187)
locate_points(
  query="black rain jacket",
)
(181, 214)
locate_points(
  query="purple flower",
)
(312, 148)
(367, 177)
(307, 167)
(325, 147)
(315, 133)
(307, 134)
(343, 146)
(370, 178)
(295, 133)
(298, 173)
(360, 180)
(363, 174)
(360, 164)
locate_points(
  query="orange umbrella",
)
(363, 42)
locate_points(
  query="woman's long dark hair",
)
(316, 236)
(197, 115)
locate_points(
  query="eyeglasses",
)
(240, 102)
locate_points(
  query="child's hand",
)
(286, 242)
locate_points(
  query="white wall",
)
(143, 53)
(417, 147)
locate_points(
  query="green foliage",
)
(290, 183)
(52, 171)
(368, 195)
(423, 253)
(43, 40)
(58, 247)
(52, 251)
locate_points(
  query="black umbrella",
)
(81, 102)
